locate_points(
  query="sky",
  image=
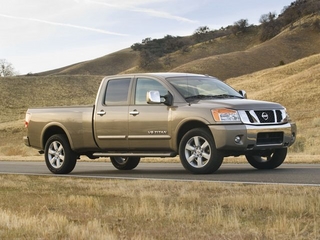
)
(41, 35)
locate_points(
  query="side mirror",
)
(243, 94)
(153, 97)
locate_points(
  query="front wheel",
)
(198, 152)
(59, 157)
(270, 160)
(125, 163)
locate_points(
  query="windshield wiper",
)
(199, 96)
(226, 96)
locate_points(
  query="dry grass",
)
(65, 208)
(20, 93)
(292, 44)
(216, 47)
(110, 64)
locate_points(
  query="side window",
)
(144, 85)
(117, 92)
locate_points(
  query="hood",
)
(239, 104)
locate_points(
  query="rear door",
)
(111, 114)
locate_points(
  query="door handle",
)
(134, 112)
(101, 113)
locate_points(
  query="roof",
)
(159, 74)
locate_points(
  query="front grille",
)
(264, 116)
(270, 138)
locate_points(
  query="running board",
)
(169, 154)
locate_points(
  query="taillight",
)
(27, 119)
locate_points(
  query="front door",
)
(149, 124)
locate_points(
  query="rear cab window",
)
(117, 92)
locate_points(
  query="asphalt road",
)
(295, 174)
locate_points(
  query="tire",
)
(125, 163)
(198, 153)
(271, 160)
(59, 157)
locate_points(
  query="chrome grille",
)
(263, 116)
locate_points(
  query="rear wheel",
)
(59, 157)
(125, 163)
(198, 152)
(270, 160)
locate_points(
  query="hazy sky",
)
(39, 35)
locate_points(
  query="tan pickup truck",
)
(197, 117)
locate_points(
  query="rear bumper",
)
(244, 138)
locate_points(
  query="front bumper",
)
(242, 138)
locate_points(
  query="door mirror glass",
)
(153, 97)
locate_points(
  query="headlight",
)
(225, 115)
(287, 116)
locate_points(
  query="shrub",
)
(316, 25)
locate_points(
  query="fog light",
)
(237, 139)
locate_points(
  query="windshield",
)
(203, 87)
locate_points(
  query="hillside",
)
(224, 57)
(295, 42)
(20, 93)
(110, 64)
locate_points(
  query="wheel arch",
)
(52, 129)
(187, 126)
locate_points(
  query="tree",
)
(270, 26)
(6, 68)
(240, 26)
(269, 17)
(201, 33)
(147, 59)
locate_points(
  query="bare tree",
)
(6, 68)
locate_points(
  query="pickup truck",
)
(197, 117)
